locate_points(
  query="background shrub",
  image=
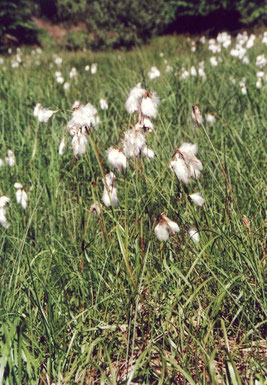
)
(115, 23)
(15, 22)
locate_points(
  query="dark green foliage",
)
(114, 23)
(15, 22)
(251, 11)
(77, 40)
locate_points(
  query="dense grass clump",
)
(88, 299)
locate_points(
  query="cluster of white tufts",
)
(168, 68)
(73, 73)
(243, 43)
(43, 114)
(116, 158)
(165, 227)
(57, 60)
(196, 115)
(185, 164)
(153, 73)
(3, 221)
(18, 58)
(214, 46)
(213, 61)
(109, 196)
(83, 119)
(94, 68)
(261, 76)
(261, 61)
(59, 77)
(21, 198)
(103, 104)
(210, 119)
(197, 199)
(10, 159)
(242, 85)
(194, 71)
(145, 105)
(21, 195)
(224, 39)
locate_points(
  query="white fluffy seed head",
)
(73, 72)
(197, 199)
(165, 228)
(153, 73)
(193, 164)
(134, 99)
(96, 208)
(116, 158)
(18, 185)
(83, 116)
(148, 124)
(43, 114)
(194, 235)
(10, 159)
(110, 197)
(62, 146)
(4, 200)
(103, 104)
(109, 179)
(210, 118)
(93, 68)
(22, 198)
(188, 148)
(79, 143)
(148, 152)
(180, 169)
(66, 86)
(172, 226)
(149, 105)
(161, 231)
(133, 143)
(3, 220)
(196, 115)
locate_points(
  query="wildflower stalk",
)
(35, 142)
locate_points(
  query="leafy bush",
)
(114, 23)
(77, 40)
(251, 11)
(15, 22)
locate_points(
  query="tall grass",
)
(101, 300)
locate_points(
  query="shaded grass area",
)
(87, 300)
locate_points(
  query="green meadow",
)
(90, 299)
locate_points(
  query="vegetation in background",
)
(116, 23)
(15, 22)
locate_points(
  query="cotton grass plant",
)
(89, 294)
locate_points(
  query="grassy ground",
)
(88, 300)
